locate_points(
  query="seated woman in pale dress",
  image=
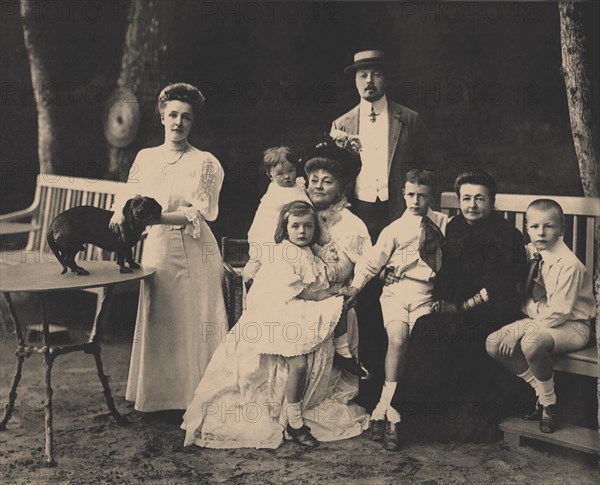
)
(241, 402)
(181, 315)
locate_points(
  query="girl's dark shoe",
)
(391, 440)
(302, 436)
(549, 419)
(377, 429)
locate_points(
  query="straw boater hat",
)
(365, 59)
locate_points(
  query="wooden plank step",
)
(567, 435)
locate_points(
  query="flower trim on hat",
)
(346, 141)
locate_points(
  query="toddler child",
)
(284, 188)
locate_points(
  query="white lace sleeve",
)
(206, 185)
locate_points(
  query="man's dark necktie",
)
(373, 115)
(430, 244)
(534, 286)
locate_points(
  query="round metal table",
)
(45, 278)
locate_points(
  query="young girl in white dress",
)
(285, 187)
(267, 376)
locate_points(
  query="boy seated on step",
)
(559, 304)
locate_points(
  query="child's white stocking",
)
(530, 379)
(341, 346)
(294, 414)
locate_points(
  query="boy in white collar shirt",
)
(559, 304)
(406, 257)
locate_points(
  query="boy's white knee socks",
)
(530, 379)
(544, 390)
(547, 395)
(384, 406)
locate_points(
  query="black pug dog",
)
(75, 227)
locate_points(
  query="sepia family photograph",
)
(300, 241)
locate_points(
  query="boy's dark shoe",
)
(377, 429)
(350, 364)
(549, 419)
(391, 440)
(302, 436)
(536, 415)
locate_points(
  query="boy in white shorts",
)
(559, 304)
(406, 257)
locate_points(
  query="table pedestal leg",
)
(48, 361)
(20, 353)
(95, 349)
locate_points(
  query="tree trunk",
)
(47, 107)
(583, 114)
(143, 74)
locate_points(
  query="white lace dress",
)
(240, 401)
(181, 317)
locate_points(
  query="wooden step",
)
(567, 435)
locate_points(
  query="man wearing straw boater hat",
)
(393, 140)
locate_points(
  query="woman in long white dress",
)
(181, 315)
(241, 399)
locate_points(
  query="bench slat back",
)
(59, 193)
(580, 215)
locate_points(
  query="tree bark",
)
(47, 107)
(575, 58)
(584, 115)
(143, 74)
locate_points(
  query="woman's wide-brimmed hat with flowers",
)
(342, 148)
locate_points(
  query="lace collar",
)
(332, 214)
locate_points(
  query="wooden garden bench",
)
(580, 216)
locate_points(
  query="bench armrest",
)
(20, 214)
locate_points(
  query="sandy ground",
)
(91, 448)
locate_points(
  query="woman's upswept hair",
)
(181, 92)
(334, 167)
(296, 208)
(477, 177)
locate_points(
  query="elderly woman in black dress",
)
(451, 388)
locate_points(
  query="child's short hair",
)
(477, 177)
(548, 205)
(275, 155)
(421, 177)
(296, 208)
